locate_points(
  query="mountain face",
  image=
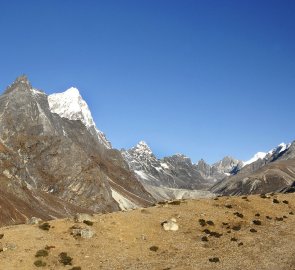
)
(167, 177)
(265, 172)
(51, 166)
(219, 170)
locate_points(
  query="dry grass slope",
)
(224, 233)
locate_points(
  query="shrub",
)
(65, 259)
(45, 226)
(154, 248)
(39, 263)
(41, 253)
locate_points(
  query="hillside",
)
(137, 240)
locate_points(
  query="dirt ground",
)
(136, 239)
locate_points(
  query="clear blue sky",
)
(204, 78)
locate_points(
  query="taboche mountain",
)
(52, 167)
(54, 162)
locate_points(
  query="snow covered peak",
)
(259, 155)
(72, 91)
(275, 151)
(282, 147)
(142, 147)
(181, 156)
(71, 105)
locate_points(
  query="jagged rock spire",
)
(21, 83)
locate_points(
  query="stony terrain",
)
(254, 232)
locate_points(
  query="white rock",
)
(80, 217)
(83, 232)
(170, 225)
(34, 220)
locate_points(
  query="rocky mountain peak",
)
(202, 162)
(143, 148)
(21, 83)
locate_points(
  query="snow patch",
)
(259, 155)
(123, 202)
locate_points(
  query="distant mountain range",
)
(176, 176)
(55, 162)
(269, 172)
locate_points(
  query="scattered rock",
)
(228, 206)
(170, 225)
(76, 268)
(263, 196)
(10, 246)
(240, 244)
(244, 197)
(83, 232)
(285, 202)
(1, 235)
(291, 213)
(257, 215)
(234, 239)
(279, 219)
(268, 217)
(253, 231)
(34, 221)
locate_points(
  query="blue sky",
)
(203, 78)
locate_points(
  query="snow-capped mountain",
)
(174, 175)
(51, 166)
(265, 172)
(71, 105)
(273, 153)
